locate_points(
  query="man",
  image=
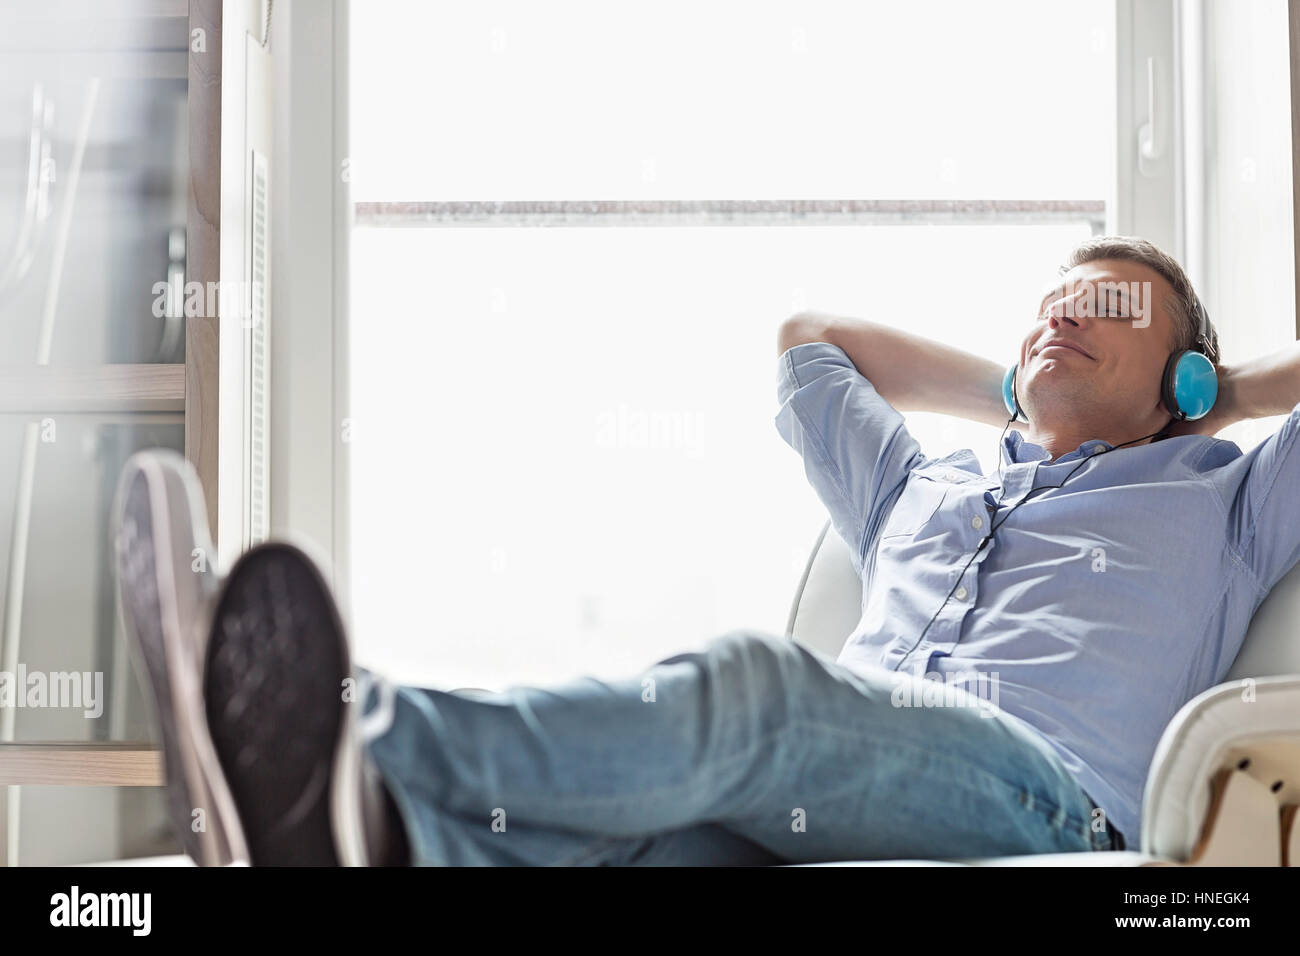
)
(1098, 579)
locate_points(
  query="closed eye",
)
(1109, 313)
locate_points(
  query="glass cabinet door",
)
(93, 196)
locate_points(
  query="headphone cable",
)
(994, 527)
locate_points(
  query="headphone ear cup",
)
(1191, 381)
(1167, 394)
(1009, 398)
(1009, 391)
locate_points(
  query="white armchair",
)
(1224, 784)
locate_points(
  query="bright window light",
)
(563, 453)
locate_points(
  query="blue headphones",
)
(1189, 386)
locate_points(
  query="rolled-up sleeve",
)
(1264, 515)
(855, 446)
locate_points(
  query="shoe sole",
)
(155, 610)
(276, 674)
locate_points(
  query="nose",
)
(1066, 309)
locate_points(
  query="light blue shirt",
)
(1097, 610)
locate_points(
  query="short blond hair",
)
(1184, 303)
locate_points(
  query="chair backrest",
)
(828, 605)
(828, 601)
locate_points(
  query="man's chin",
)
(1063, 401)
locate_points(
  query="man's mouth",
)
(1063, 347)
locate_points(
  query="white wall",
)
(1249, 284)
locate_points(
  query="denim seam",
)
(1020, 791)
(604, 842)
(1039, 808)
(1048, 807)
(562, 802)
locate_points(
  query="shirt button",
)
(977, 522)
(960, 594)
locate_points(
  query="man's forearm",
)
(1264, 386)
(912, 373)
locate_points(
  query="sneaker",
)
(281, 706)
(167, 580)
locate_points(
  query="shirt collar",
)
(1017, 450)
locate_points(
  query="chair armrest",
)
(1250, 727)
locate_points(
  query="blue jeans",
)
(754, 750)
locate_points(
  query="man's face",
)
(1113, 314)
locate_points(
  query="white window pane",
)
(685, 100)
(563, 452)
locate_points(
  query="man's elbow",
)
(801, 328)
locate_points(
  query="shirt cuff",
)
(803, 363)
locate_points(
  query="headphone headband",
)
(1202, 343)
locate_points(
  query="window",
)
(578, 229)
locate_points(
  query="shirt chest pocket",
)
(918, 503)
